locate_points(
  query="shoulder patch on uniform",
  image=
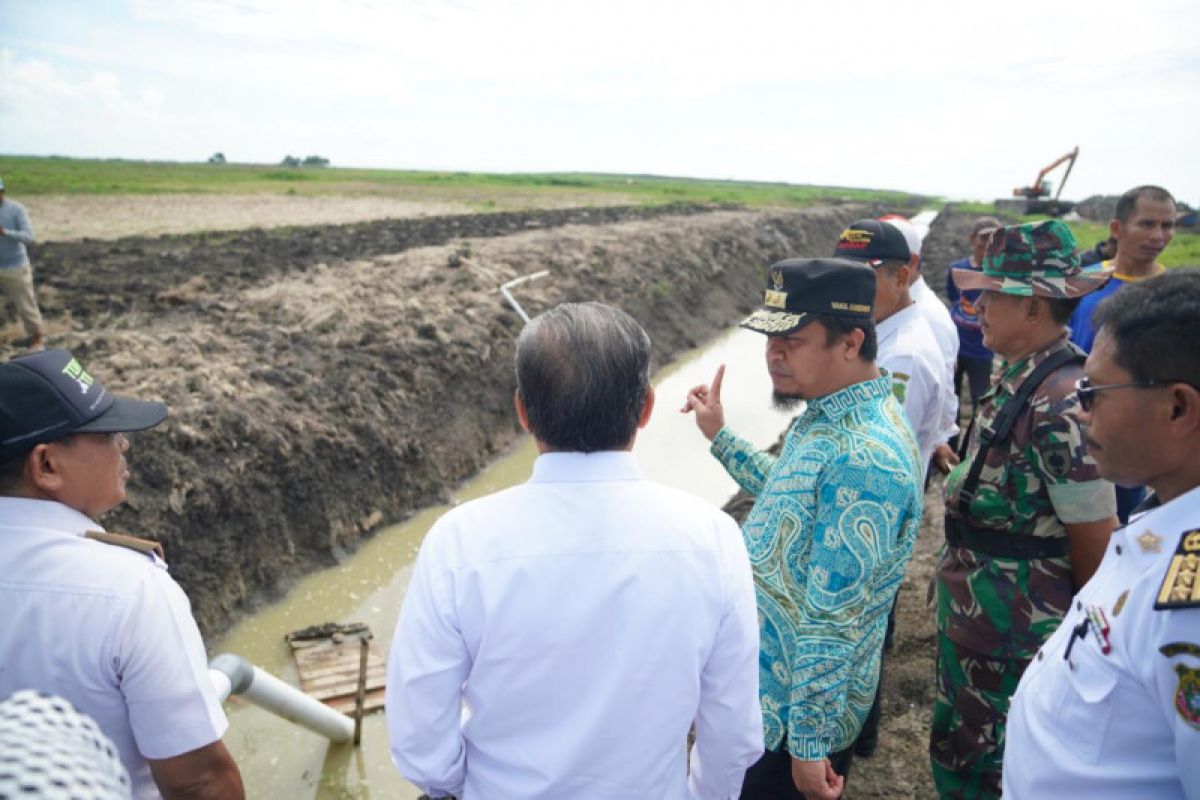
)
(1179, 649)
(1187, 695)
(1057, 458)
(1180, 587)
(146, 546)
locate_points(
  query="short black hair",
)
(1061, 308)
(583, 371)
(12, 472)
(1128, 201)
(1153, 324)
(836, 327)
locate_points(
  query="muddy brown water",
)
(279, 759)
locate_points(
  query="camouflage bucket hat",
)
(1037, 258)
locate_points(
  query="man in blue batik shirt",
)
(833, 523)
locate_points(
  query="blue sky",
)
(954, 98)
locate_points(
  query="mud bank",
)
(313, 399)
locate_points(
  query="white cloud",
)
(934, 96)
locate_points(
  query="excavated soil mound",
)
(313, 397)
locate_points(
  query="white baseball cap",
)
(911, 235)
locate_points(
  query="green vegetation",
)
(979, 209)
(29, 175)
(1183, 251)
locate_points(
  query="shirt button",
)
(1039, 655)
(1118, 549)
(1078, 606)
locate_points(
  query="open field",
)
(74, 198)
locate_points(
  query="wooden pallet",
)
(329, 668)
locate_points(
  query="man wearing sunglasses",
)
(1115, 693)
(1027, 513)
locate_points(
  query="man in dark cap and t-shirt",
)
(833, 523)
(92, 616)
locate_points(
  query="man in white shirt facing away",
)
(560, 638)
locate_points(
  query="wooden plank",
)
(329, 672)
(373, 702)
(343, 668)
(329, 684)
(373, 677)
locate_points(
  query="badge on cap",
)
(1180, 587)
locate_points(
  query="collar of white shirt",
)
(24, 512)
(607, 465)
(892, 325)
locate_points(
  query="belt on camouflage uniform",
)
(999, 544)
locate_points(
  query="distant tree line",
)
(308, 161)
(288, 161)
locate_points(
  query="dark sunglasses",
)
(1086, 392)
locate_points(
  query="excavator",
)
(1037, 195)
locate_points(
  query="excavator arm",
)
(1037, 190)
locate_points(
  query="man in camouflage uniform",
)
(1027, 525)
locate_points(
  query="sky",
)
(959, 99)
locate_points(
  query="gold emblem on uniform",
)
(1120, 604)
(775, 299)
(1150, 542)
(777, 278)
(1180, 587)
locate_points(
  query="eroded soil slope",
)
(324, 381)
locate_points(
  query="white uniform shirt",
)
(1123, 724)
(907, 351)
(106, 628)
(583, 620)
(946, 334)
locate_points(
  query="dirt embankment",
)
(313, 398)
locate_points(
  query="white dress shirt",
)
(1126, 723)
(106, 628)
(909, 353)
(558, 639)
(945, 332)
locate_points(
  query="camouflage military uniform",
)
(993, 613)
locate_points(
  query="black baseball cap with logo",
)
(872, 241)
(49, 395)
(799, 288)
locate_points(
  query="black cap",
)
(872, 241)
(800, 287)
(46, 396)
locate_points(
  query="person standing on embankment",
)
(16, 276)
(1143, 226)
(833, 522)
(1027, 513)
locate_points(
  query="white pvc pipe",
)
(232, 674)
(512, 301)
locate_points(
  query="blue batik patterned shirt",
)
(829, 537)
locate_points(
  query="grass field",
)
(1184, 250)
(28, 175)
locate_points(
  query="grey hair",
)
(583, 372)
